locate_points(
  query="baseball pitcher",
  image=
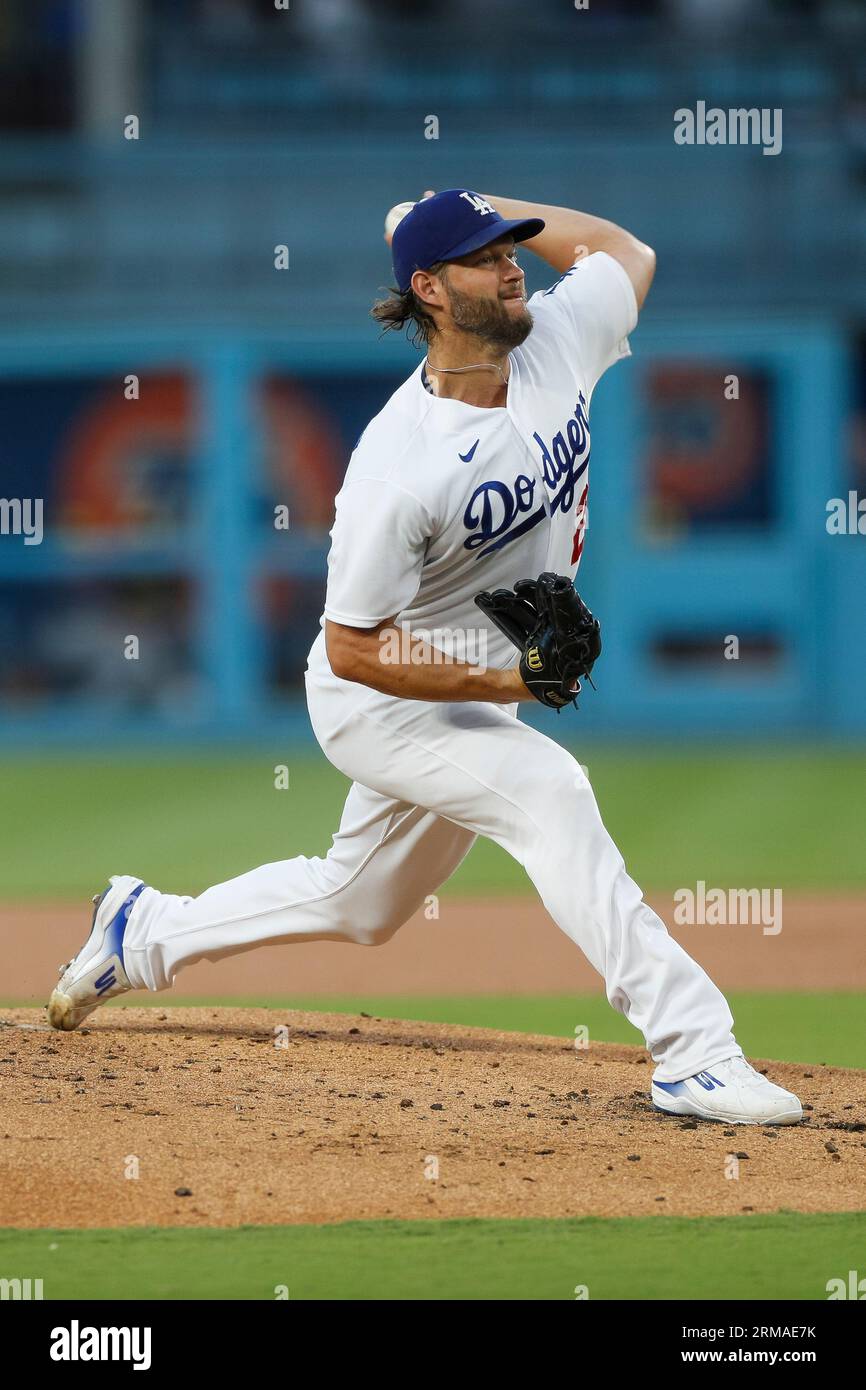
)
(450, 602)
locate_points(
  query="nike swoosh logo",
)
(467, 458)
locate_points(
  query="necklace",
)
(476, 366)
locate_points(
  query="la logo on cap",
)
(481, 205)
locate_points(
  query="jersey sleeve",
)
(378, 543)
(594, 306)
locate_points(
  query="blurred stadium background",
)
(153, 257)
(261, 127)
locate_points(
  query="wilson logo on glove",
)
(558, 638)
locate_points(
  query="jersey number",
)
(582, 518)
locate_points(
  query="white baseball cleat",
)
(731, 1091)
(97, 972)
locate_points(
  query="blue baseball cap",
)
(449, 225)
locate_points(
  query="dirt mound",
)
(223, 1117)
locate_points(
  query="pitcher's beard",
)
(489, 320)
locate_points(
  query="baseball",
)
(395, 217)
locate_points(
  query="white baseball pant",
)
(428, 778)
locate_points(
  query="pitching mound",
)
(224, 1117)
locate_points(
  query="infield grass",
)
(782, 817)
(781, 1256)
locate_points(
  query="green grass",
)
(788, 1027)
(781, 1256)
(783, 817)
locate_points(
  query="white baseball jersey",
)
(442, 499)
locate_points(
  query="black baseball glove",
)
(558, 638)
